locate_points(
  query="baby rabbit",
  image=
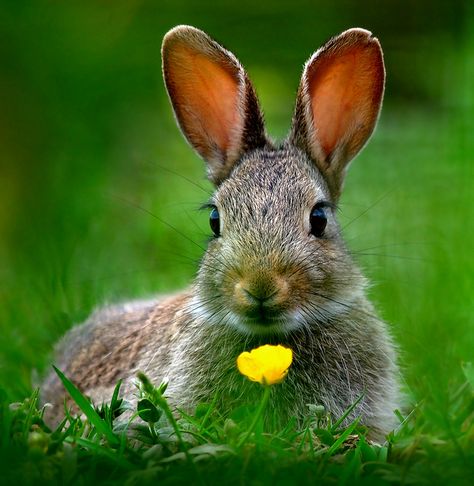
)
(277, 270)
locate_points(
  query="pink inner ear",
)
(205, 94)
(345, 87)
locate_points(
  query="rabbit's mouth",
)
(257, 321)
(261, 320)
(265, 315)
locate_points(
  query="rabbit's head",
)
(277, 262)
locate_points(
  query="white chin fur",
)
(297, 319)
(284, 325)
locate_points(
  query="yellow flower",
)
(267, 364)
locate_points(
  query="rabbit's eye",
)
(214, 222)
(318, 221)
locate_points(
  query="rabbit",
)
(276, 270)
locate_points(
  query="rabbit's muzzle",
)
(263, 297)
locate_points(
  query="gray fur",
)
(314, 303)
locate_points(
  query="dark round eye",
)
(318, 221)
(214, 222)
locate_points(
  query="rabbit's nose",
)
(261, 295)
(258, 296)
(254, 294)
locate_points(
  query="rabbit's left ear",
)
(338, 102)
(214, 102)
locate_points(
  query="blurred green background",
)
(89, 148)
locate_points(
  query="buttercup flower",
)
(266, 364)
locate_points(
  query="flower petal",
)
(248, 367)
(266, 364)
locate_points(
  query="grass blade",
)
(342, 438)
(101, 425)
(346, 414)
(103, 451)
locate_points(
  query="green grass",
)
(405, 212)
(208, 448)
(89, 149)
(405, 215)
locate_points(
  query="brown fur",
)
(264, 279)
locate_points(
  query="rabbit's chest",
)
(203, 369)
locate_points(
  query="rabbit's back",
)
(110, 346)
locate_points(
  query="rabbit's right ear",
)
(213, 99)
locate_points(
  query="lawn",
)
(98, 203)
